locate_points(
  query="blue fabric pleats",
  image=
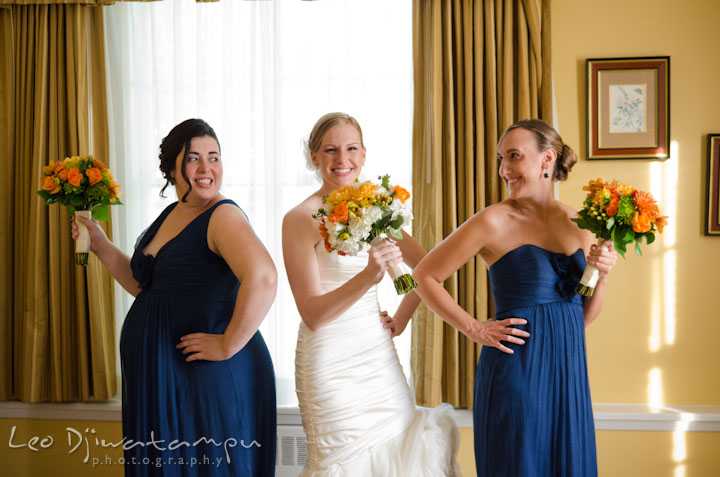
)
(533, 413)
(204, 417)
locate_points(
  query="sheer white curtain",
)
(260, 73)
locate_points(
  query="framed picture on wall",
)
(628, 108)
(712, 194)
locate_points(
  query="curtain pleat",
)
(60, 346)
(479, 66)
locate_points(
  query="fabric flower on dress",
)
(143, 269)
(569, 273)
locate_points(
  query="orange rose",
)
(63, 174)
(641, 223)
(94, 175)
(75, 177)
(401, 193)
(50, 186)
(59, 166)
(341, 211)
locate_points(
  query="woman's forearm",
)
(321, 310)
(407, 307)
(434, 295)
(593, 305)
(254, 299)
(118, 264)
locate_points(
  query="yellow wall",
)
(55, 459)
(661, 314)
(637, 454)
(675, 285)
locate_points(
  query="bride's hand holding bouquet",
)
(362, 217)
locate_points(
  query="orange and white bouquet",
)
(618, 212)
(360, 215)
(85, 186)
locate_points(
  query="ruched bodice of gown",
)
(358, 414)
(533, 414)
(530, 275)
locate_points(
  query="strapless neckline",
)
(519, 247)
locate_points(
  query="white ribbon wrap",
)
(82, 243)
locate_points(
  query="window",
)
(261, 73)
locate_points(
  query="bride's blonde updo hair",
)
(322, 126)
(546, 137)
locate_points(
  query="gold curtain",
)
(58, 339)
(479, 66)
(79, 2)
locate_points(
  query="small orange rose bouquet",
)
(618, 212)
(86, 187)
(361, 215)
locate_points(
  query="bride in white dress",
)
(357, 410)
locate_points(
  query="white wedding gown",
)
(357, 411)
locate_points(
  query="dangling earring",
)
(545, 174)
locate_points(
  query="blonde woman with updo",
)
(532, 412)
(357, 410)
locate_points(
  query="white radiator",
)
(291, 451)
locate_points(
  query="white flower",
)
(380, 190)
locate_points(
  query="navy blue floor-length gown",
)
(196, 418)
(533, 415)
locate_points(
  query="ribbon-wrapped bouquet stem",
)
(618, 212)
(85, 186)
(360, 215)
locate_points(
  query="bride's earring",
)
(545, 174)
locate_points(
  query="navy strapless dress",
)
(203, 417)
(533, 415)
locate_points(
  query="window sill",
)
(608, 417)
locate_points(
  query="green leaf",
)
(385, 181)
(610, 223)
(629, 235)
(101, 212)
(619, 244)
(649, 238)
(395, 233)
(70, 211)
(397, 223)
(637, 248)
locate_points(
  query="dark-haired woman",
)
(532, 413)
(198, 383)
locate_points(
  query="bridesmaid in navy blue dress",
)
(532, 412)
(198, 383)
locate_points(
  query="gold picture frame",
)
(628, 108)
(712, 191)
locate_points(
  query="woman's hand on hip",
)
(493, 332)
(209, 347)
